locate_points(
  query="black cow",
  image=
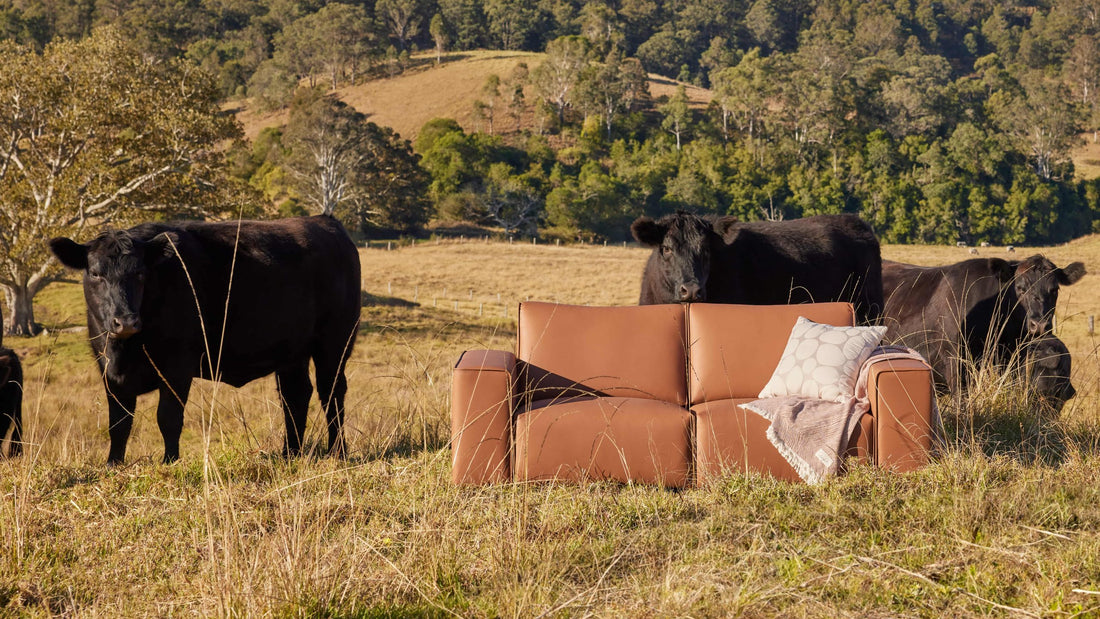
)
(11, 400)
(272, 295)
(721, 260)
(1048, 372)
(961, 314)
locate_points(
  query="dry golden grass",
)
(1006, 522)
(427, 91)
(1086, 157)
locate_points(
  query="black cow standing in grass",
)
(962, 314)
(722, 260)
(11, 400)
(230, 301)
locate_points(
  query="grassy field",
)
(1006, 522)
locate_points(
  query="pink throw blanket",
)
(813, 434)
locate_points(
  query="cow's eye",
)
(666, 251)
(95, 276)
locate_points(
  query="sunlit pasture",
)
(1005, 521)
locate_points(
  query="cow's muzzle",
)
(1038, 326)
(691, 292)
(125, 326)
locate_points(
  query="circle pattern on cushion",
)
(822, 361)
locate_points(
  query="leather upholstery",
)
(729, 438)
(633, 352)
(602, 392)
(734, 348)
(619, 439)
(901, 397)
(481, 416)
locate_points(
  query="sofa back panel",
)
(734, 348)
(617, 439)
(636, 351)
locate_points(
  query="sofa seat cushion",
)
(631, 352)
(729, 438)
(604, 438)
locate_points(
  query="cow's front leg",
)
(173, 397)
(294, 391)
(120, 416)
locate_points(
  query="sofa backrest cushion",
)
(734, 348)
(636, 352)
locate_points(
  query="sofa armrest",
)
(902, 403)
(481, 416)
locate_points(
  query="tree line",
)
(936, 121)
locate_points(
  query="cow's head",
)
(682, 244)
(1049, 366)
(116, 266)
(1036, 284)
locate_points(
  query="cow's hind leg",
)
(173, 398)
(332, 387)
(294, 393)
(11, 412)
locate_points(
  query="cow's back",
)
(270, 292)
(814, 259)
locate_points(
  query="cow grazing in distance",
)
(1049, 365)
(11, 400)
(961, 314)
(230, 301)
(722, 260)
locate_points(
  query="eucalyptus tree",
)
(94, 133)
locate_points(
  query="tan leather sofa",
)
(650, 394)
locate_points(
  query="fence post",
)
(389, 245)
(389, 288)
(1092, 324)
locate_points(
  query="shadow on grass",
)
(377, 300)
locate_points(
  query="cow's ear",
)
(648, 232)
(724, 226)
(70, 253)
(161, 247)
(1071, 273)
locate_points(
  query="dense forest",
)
(937, 121)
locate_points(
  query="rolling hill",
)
(425, 91)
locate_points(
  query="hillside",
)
(426, 91)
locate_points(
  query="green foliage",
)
(343, 165)
(97, 134)
(938, 122)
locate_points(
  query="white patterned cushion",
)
(822, 361)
